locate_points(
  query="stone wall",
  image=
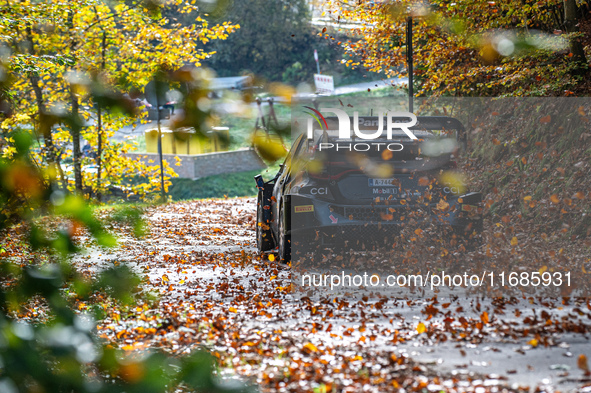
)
(208, 164)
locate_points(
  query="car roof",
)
(334, 134)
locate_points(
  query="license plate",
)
(384, 182)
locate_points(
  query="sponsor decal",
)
(319, 191)
(388, 191)
(303, 209)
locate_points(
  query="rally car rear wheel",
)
(264, 237)
(284, 241)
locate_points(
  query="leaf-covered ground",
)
(215, 290)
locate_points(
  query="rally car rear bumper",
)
(309, 215)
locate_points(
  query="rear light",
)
(343, 173)
(259, 181)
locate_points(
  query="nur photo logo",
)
(394, 121)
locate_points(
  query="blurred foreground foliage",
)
(69, 70)
(63, 353)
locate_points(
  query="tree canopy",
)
(273, 35)
(71, 60)
(470, 47)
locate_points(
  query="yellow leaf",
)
(514, 241)
(527, 198)
(269, 148)
(233, 309)
(421, 328)
(309, 347)
(271, 257)
(533, 342)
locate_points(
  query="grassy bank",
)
(219, 186)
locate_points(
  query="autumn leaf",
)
(484, 318)
(310, 348)
(554, 199)
(533, 342)
(442, 204)
(421, 328)
(582, 364)
(424, 181)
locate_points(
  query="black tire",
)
(284, 241)
(263, 230)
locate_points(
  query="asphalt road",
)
(201, 259)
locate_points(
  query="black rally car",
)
(330, 188)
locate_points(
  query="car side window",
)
(300, 148)
(293, 152)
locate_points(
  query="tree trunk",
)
(99, 148)
(75, 132)
(99, 154)
(570, 24)
(76, 121)
(44, 129)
